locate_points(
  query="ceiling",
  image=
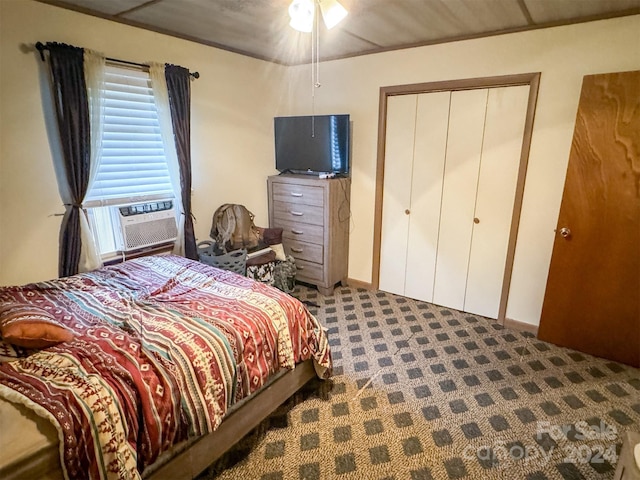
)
(260, 28)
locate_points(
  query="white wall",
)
(233, 104)
(563, 55)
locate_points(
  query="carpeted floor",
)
(421, 392)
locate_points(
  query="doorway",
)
(466, 103)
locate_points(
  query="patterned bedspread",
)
(163, 347)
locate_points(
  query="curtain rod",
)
(41, 47)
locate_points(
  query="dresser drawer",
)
(294, 212)
(309, 271)
(300, 231)
(299, 194)
(303, 250)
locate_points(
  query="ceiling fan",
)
(302, 13)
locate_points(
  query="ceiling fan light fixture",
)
(332, 12)
(301, 13)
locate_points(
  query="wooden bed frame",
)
(241, 420)
(195, 455)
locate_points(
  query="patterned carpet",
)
(421, 392)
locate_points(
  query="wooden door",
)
(592, 300)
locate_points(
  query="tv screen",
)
(312, 144)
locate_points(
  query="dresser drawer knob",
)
(297, 232)
(299, 267)
(296, 194)
(297, 214)
(296, 250)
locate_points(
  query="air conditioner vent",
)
(148, 229)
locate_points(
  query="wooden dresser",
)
(314, 215)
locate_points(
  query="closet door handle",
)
(297, 250)
(297, 214)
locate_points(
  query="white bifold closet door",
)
(426, 193)
(401, 128)
(451, 167)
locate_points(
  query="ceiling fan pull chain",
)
(317, 83)
(313, 87)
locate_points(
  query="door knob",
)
(407, 211)
(565, 232)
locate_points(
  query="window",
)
(133, 167)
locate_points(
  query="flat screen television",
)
(312, 144)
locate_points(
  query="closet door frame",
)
(530, 79)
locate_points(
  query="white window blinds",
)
(132, 167)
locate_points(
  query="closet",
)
(451, 164)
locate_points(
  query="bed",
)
(167, 362)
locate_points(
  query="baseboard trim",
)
(359, 284)
(521, 326)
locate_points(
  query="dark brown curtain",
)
(72, 113)
(179, 88)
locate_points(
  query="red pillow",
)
(31, 327)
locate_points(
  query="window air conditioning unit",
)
(147, 224)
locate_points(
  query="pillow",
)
(272, 236)
(31, 327)
(266, 257)
(279, 250)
